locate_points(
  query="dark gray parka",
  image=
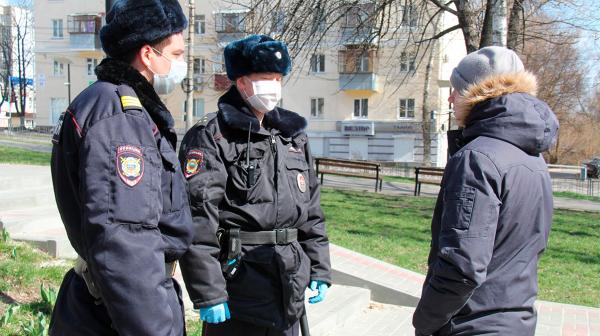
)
(492, 218)
(268, 289)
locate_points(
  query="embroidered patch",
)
(301, 182)
(130, 164)
(193, 163)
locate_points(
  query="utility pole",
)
(189, 103)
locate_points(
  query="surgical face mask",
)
(267, 94)
(165, 84)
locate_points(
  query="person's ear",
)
(242, 85)
(146, 54)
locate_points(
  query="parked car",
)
(593, 168)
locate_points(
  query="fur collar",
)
(494, 87)
(118, 72)
(235, 112)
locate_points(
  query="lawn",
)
(23, 156)
(396, 229)
(25, 307)
(573, 195)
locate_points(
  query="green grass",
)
(22, 270)
(567, 194)
(23, 156)
(396, 229)
(399, 179)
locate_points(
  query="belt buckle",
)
(281, 236)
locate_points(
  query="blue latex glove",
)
(322, 287)
(215, 314)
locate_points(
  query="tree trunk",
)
(467, 17)
(515, 26)
(499, 22)
(488, 25)
(426, 109)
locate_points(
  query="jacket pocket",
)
(248, 184)
(172, 182)
(298, 179)
(134, 190)
(458, 208)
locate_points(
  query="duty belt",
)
(82, 270)
(274, 237)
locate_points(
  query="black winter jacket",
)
(269, 287)
(492, 218)
(121, 195)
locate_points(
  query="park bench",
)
(364, 169)
(427, 175)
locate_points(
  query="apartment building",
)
(361, 103)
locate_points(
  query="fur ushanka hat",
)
(256, 54)
(132, 23)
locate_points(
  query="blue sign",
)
(15, 80)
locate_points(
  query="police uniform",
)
(255, 183)
(121, 195)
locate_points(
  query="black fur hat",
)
(132, 23)
(256, 54)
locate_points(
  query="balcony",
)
(359, 36)
(358, 82)
(84, 31)
(230, 25)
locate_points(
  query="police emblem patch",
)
(301, 182)
(130, 164)
(193, 163)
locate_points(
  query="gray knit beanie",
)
(479, 65)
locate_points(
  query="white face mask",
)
(267, 94)
(165, 84)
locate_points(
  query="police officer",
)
(118, 185)
(255, 203)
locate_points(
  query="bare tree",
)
(23, 25)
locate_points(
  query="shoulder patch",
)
(130, 164)
(130, 102)
(206, 119)
(194, 162)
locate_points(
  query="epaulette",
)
(205, 120)
(129, 100)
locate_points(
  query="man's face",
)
(173, 49)
(244, 83)
(458, 113)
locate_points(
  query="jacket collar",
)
(118, 72)
(235, 112)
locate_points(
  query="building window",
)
(230, 23)
(198, 107)
(92, 63)
(406, 110)
(58, 69)
(319, 21)
(218, 65)
(317, 106)
(199, 66)
(409, 16)
(57, 107)
(84, 24)
(407, 62)
(278, 23)
(361, 108)
(57, 28)
(356, 61)
(317, 63)
(200, 25)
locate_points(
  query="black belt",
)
(275, 237)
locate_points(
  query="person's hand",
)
(322, 287)
(215, 314)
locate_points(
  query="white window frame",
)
(404, 108)
(409, 18)
(317, 107)
(200, 24)
(361, 108)
(199, 66)
(58, 29)
(407, 62)
(92, 63)
(317, 63)
(58, 69)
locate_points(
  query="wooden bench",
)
(364, 169)
(427, 175)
